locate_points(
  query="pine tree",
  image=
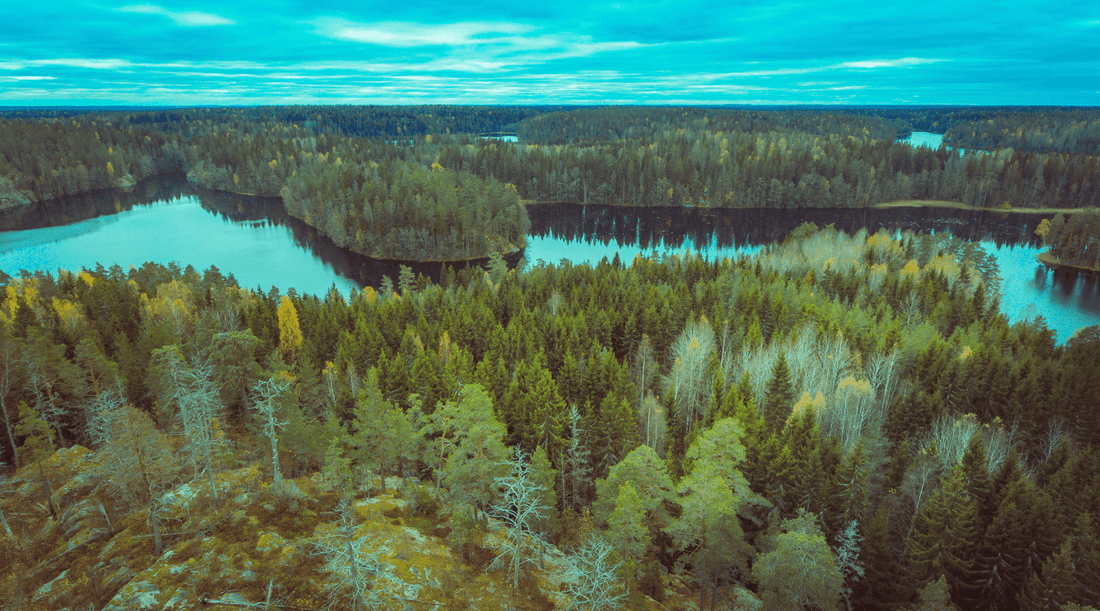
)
(647, 474)
(800, 571)
(1055, 586)
(626, 530)
(879, 587)
(544, 476)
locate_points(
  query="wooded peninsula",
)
(836, 422)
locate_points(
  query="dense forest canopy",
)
(856, 400)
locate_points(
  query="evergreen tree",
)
(627, 531)
(943, 537)
(800, 571)
(779, 397)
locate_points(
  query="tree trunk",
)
(48, 490)
(210, 474)
(154, 520)
(11, 435)
(276, 474)
(4, 522)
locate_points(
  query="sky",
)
(677, 52)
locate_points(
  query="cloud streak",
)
(189, 19)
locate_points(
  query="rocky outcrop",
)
(10, 196)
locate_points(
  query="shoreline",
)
(932, 203)
(909, 203)
(1052, 262)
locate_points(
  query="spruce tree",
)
(943, 536)
(779, 398)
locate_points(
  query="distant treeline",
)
(416, 182)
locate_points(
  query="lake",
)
(580, 233)
(252, 238)
(168, 220)
(928, 139)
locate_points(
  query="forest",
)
(421, 183)
(1074, 241)
(838, 422)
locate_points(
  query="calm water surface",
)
(253, 239)
(589, 233)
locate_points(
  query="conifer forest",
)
(837, 422)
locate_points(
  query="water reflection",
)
(167, 219)
(588, 233)
(655, 228)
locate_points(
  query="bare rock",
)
(136, 596)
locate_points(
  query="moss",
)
(289, 524)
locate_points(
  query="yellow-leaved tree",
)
(290, 334)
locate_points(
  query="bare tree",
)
(1056, 434)
(10, 350)
(653, 422)
(593, 579)
(688, 378)
(192, 389)
(265, 396)
(138, 461)
(98, 411)
(354, 563)
(911, 308)
(520, 508)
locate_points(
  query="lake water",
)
(928, 139)
(932, 141)
(167, 220)
(588, 233)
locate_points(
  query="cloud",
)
(190, 19)
(493, 39)
(91, 64)
(404, 34)
(889, 63)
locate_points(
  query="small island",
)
(1074, 242)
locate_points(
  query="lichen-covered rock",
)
(83, 522)
(136, 596)
(51, 593)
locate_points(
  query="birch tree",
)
(688, 380)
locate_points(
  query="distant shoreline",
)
(933, 203)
